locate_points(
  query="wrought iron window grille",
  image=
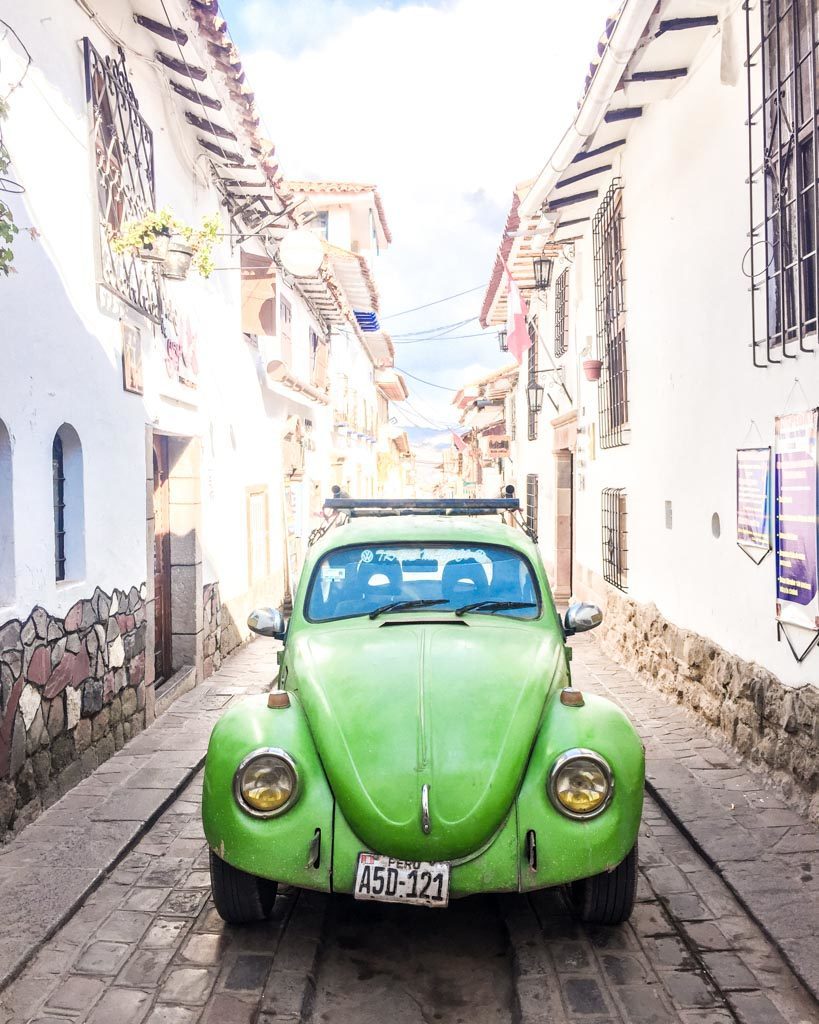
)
(610, 306)
(532, 368)
(124, 164)
(562, 314)
(781, 260)
(615, 537)
(531, 504)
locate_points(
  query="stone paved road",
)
(147, 946)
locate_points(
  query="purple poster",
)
(754, 501)
(797, 585)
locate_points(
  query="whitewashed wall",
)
(694, 392)
(62, 355)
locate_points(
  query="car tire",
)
(607, 898)
(240, 898)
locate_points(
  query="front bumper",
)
(283, 848)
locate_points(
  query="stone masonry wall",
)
(221, 635)
(771, 724)
(72, 691)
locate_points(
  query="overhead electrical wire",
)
(421, 380)
(440, 328)
(448, 337)
(437, 302)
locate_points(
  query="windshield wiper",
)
(493, 606)
(404, 606)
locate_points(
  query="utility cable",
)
(440, 328)
(437, 302)
(431, 384)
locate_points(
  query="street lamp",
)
(503, 344)
(542, 267)
(534, 396)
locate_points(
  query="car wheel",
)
(607, 898)
(240, 898)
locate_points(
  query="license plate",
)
(419, 882)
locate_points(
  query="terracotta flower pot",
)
(592, 368)
(156, 251)
(178, 261)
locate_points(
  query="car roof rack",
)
(344, 508)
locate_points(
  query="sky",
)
(446, 105)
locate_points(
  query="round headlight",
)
(580, 783)
(266, 783)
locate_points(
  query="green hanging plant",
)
(8, 229)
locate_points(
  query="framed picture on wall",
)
(131, 358)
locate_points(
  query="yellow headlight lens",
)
(267, 783)
(581, 786)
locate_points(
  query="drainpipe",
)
(624, 39)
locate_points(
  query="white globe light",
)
(301, 252)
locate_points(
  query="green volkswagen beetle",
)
(423, 741)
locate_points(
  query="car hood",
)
(396, 706)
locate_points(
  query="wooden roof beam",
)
(206, 125)
(589, 153)
(683, 24)
(623, 114)
(196, 97)
(657, 76)
(173, 35)
(581, 197)
(181, 67)
(584, 174)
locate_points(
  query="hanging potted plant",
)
(147, 238)
(192, 247)
(159, 237)
(592, 368)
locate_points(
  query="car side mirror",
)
(581, 617)
(268, 622)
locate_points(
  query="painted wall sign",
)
(132, 379)
(797, 535)
(754, 502)
(499, 446)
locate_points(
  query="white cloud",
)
(445, 108)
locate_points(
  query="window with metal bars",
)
(532, 364)
(58, 482)
(610, 303)
(124, 158)
(782, 121)
(615, 536)
(531, 503)
(562, 313)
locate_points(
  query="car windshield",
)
(435, 578)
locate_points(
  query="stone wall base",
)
(72, 692)
(771, 724)
(222, 635)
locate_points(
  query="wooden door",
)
(162, 562)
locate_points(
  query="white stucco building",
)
(637, 246)
(165, 444)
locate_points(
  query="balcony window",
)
(610, 302)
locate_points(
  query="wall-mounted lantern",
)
(542, 266)
(503, 344)
(534, 396)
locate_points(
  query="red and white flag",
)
(517, 333)
(458, 441)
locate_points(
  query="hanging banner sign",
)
(797, 535)
(754, 502)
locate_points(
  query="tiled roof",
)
(343, 188)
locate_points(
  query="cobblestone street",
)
(147, 946)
